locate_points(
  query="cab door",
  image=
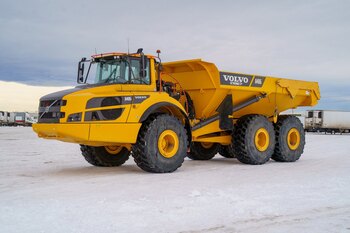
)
(138, 83)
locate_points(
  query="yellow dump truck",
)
(133, 104)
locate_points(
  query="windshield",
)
(120, 71)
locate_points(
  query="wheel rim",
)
(168, 143)
(113, 149)
(293, 139)
(262, 139)
(207, 145)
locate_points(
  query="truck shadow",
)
(97, 171)
(216, 160)
(132, 168)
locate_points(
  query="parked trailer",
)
(11, 119)
(23, 118)
(327, 121)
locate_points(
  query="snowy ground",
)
(46, 186)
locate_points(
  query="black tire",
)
(227, 151)
(283, 151)
(243, 139)
(99, 156)
(146, 151)
(199, 152)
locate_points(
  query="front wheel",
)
(105, 156)
(161, 145)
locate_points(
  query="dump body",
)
(327, 121)
(208, 87)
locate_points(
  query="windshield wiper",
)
(131, 71)
(110, 76)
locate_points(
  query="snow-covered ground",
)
(46, 186)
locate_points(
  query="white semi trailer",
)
(327, 121)
(17, 118)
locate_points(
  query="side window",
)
(310, 114)
(319, 114)
(135, 72)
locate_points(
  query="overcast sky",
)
(42, 41)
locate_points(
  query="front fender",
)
(156, 102)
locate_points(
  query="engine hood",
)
(59, 94)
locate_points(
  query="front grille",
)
(50, 111)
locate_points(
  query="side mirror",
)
(81, 68)
(143, 65)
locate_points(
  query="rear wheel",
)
(290, 139)
(203, 150)
(108, 156)
(161, 145)
(227, 151)
(253, 139)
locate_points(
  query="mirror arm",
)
(78, 72)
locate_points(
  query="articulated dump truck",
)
(133, 104)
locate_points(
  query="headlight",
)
(74, 117)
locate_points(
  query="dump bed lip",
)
(199, 60)
(268, 76)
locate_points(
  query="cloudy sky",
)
(42, 41)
